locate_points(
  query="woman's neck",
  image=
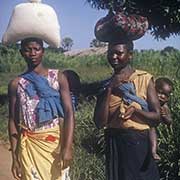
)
(125, 73)
(40, 69)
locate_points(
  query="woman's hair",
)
(24, 42)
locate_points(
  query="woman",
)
(39, 101)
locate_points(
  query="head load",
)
(33, 19)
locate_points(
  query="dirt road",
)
(5, 163)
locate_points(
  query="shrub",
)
(88, 162)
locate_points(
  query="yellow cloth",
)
(140, 79)
(39, 154)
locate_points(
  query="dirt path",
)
(5, 163)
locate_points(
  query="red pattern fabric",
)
(120, 26)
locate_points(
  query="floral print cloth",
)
(28, 104)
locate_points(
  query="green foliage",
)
(4, 79)
(97, 43)
(3, 89)
(158, 63)
(89, 68)
(3, 121)
(10, 60)
(88, 162)
(163, 15)
(67, 43)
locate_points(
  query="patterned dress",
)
(28, 104)
(39, 147)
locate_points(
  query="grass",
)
(3, 122)
(88, 163)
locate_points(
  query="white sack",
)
(33, 19)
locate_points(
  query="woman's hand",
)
(66, 157)
(128, 113)
(16, 169)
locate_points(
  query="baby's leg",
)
(153, 141)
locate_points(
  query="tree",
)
(67, 43)
(163, 15)
(97, 43)
(169, 49)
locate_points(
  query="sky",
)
(77, 20)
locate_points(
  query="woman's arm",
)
(12, 127)
(68, 128)
(153, 116)
(101, 112)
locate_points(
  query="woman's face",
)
(32, 53)
(118, 56)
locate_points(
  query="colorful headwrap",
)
(119, 27)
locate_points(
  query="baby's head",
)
(74, 81)
(164, 87)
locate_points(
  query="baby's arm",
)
(166, 115)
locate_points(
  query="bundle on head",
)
(120, 26)
(33, 19)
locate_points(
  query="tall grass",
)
(88, 162)
(3, 122)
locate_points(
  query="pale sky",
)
(77, 20)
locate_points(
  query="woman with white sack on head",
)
(41, 119)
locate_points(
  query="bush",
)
(88, 162)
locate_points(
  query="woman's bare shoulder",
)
(14, 83)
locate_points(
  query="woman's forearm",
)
(151, 118)
(13, 138)
(101, 113)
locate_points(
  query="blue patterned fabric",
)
(50, 104)
(129, 95)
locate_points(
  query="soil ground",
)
(5, 162)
